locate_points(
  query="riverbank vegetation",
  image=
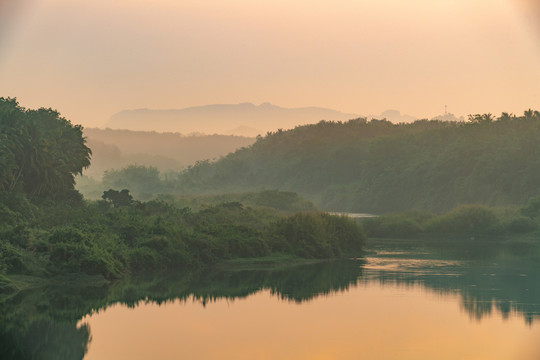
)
(118, 236)
(48, 229)
(464, 220)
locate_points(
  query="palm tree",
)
(507, 117)
(529, 114)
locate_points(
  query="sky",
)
(91, 59)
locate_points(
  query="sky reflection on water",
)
(403, 301)
(402, 306)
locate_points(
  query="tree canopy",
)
(376, 166)
(40, 151)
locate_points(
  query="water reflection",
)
(45, 323)
(488, 277)
(42, 324)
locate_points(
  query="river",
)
(403, 300)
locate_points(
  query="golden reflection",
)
(370, 321)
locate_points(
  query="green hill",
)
(379, 167)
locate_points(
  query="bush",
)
(68, 235)
(242, 241)
(532, 209)
(317, 235)
(306, 235)
(521, 225)
(11, 259)
(72, 251)
(395, 225)
(464, 219)
(6, 285)
(346, 234)
(141, 259)
(16, 235)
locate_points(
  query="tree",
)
(528, 114)
(118, 198)
(139, 179)
(532, 209)
(484, 118)
(506, 116)
(41, 152)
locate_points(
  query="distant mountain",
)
(223, 118)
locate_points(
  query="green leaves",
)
(40, 152)
(380, 167)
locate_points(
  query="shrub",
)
(316, 235)
(68, 235)
(521, 225)
(347, 234)
(141, 259)
(11, 258)
(465, 218)
(394, 225)
(17, 235)
(72, 251)
(305, 234)
(242, 241)
(6, 285)
(532, 209)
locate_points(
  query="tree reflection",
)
(43, 323)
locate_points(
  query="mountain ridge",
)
(222, 118)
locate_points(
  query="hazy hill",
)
(378, 166)
(239, 119)
(166, 151)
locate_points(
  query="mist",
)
(244, 177)
(355, 57)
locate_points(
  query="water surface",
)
(406, 303)
(404, 300)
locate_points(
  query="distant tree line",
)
(376, 166)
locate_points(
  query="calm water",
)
(402, 301)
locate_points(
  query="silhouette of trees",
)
(118, 198)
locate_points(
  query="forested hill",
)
(166, 151)
(379, 167)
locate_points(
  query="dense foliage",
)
(115, 237)
(47, 229)
(40, 152)
(465, 220)
(380, 167)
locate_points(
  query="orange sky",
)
(90, 59)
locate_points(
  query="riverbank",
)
(465, 221)
(117, 238)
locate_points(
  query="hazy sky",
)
(90, 59)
